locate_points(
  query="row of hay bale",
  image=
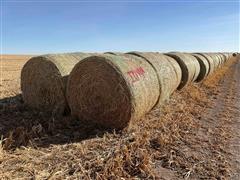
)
(111, 89)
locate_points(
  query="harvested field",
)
(11, 70)
(195, 135)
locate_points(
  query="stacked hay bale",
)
(229, 55)
(212, 62)
(189, 65)
(44, 79)
(215, 60)
(220, 59)
(112, 90)
(224, 57)
(204, 67)
(168, 71)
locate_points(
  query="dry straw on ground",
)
(189, 65)
(44, 79)
(168, 71)
(112, 90)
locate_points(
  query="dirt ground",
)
(193, 136)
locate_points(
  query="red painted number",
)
(136, 74)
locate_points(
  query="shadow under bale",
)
(23, 126)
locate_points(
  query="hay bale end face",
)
(44, 79)
(189, 65)
(112, 90)
(168, 71)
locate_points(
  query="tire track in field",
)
(234, 111)
(221, 125)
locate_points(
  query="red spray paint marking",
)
(136, 74)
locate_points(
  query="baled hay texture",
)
(219, 59)
(197, 67)
(229, 55)
(114, 53)
(210, 61)
(112, 90)
(189, 66)
(204, 67)
(224, 57)
(44, 79)
(168, 71)
(215, 60)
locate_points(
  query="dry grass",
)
(11, 70)
(36, 146)
(214, 79)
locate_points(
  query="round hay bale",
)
(189, 66)
(228, 55)
(219, 57)
(204, 67)
(225, 57)
(210, 61)
(215, 59)
(112, 90)
(168, 71)
(44, 79)
(213, 62)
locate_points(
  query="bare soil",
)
(194, 136)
